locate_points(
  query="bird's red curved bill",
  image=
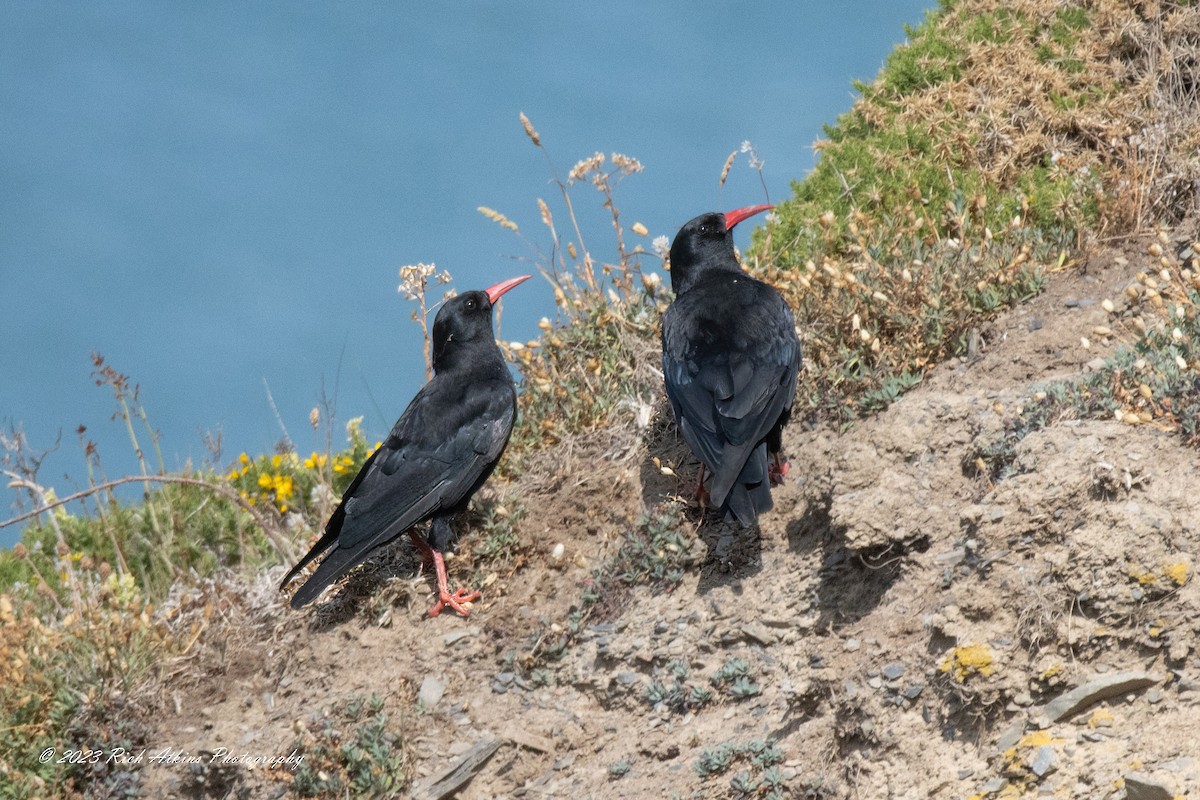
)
(738, 214)
(494, 292)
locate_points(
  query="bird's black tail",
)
(750, 494)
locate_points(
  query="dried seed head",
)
(1155, 249)
(1085, 343)
(725, 169)
(826, 220)
(1145, 391)
(585, 167)
(639, 229)
(1102, 330)
(314, 418)
(1108, 306)
(1179, 362)
(628, 165)
(529, 131)
(498, 218)
(547, 220)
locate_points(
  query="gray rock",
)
(431, 691)
(1143, 787)
(1012, 734)
(759, 633)
(1070, 703)
(893, 670)
(1042, 762)
(994, 786)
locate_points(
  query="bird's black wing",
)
(730, 368)
(448, 438)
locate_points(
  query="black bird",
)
(437, 455)
(730, 359)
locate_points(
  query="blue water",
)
(217, 196)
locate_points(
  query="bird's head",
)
(706, 242)
(464, 322)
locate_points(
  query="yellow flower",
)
(276, 460)
(264, 481)
(284, 486)
(245, 459)
(315, 461)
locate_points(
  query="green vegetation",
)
(762, 778)
(357, 754)
(980, 159)
(1154, 379)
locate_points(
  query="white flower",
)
(662, 246)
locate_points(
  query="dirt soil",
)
(905, 621)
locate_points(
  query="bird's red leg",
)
(427, 557)
(778, 469)
(701, 494)
(455, 600)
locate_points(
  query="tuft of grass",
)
(356, 753)
(1153, 379)
(593, 366)
(80, 680)
(762, 778)
(977, 161)
(672, 691)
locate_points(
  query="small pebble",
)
(893, 670)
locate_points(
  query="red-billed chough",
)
(437, 455)
(730, 360)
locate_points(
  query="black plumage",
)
(730, 361)
(440, 451)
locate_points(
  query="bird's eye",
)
(472, 305)
(704, 229)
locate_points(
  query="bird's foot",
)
(461, 598)
(778, 470)
(458, 601)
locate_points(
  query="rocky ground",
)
(901, 627)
